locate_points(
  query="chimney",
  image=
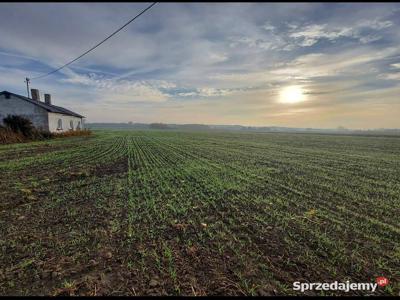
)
(35, 94)
(47, 99)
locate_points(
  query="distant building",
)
(43, 115)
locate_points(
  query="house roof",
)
(49, 107)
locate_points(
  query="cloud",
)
(376, 24)
(220, 62)
(187, 94)
(390, 76)
(268, 26)
(349, 62)
(311, 34)
(212, 92)
(292, 35)
(122, 90)
(17, 55)
(270, 42)
(205, 92)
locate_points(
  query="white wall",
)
(17, 106)
(65, 120)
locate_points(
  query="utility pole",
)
(27, 85)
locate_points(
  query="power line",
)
(95, 46)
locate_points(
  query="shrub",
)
(7, 136)
(45, 134)
(82, 132)
(18, 129)
(20, 124)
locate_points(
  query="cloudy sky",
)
(283, 64)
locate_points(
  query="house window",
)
(71, 125)
(79, 125)
(59, 124)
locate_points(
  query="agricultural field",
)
(198, 213)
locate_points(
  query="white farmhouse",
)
(43, 115)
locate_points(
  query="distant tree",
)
(158, 126)
(194, 126)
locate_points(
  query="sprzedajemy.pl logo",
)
(340, 286)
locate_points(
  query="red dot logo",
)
(382, 281)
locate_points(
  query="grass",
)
(9, 136)
(198, 213)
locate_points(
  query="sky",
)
(257, 64)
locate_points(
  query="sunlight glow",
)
(292, 94)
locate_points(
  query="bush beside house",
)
(18, 129)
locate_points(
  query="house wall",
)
(17, 106)
(65, 120)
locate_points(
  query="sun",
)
(292, 94)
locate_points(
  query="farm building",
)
(43, 115)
